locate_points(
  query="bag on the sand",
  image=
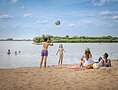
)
(89, 66)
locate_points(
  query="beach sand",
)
(59, 78)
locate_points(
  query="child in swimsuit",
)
(60, 50)
(44, 52)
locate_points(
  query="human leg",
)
(61, 59)
(45, 59)
(41, 61)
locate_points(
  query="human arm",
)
(57, 52)
(82, 57)
(64, 50)
(38, 43)
(51, 44)
(94, 62)
(101, 63)
(109, 63)
(90, 55)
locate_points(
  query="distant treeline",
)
(76, 39)
(11, 39)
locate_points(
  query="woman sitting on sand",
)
(104, 62)
(86, 59)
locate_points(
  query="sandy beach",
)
(59, 78)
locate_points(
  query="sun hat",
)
(87, 49)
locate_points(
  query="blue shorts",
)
(44, 53)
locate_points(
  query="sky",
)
(26, 19)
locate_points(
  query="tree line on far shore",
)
(76, 39)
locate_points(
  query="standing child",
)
(44, 52)
(60, 50)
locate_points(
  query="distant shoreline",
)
(70, 41)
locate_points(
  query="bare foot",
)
(40, 66)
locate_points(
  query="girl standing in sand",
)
(60, 50)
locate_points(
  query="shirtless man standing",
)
(44, 52)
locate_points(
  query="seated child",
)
(105, 62)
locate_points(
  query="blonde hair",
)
(87, 53)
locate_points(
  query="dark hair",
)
(106, 55)
(87, 53)
(45, 39)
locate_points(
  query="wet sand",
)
(59, 78)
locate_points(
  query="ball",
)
(57, 22)
(95, 65)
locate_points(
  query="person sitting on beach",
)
(44, 52)
(86, 59)
(105, 62)
(8, 52)
(60, 54)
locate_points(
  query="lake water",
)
(31, 54)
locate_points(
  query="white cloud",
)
(72, 13)
(111, 13)
(115, 17)
(80, 23)
(14, 1)
(71, 25)
(42, 21)
(102, 2)
(98, 3)
(5, 16)
(105, 12)
(45, 21)
(27, 15)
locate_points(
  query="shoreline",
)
(59, 78)
(64, 65)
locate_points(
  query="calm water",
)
(30, 54)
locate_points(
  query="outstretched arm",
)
(64, 50)
(109, 63)
(101, 63)
(57, 52)
(94, 62)
(51, 44)
(38, 43)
